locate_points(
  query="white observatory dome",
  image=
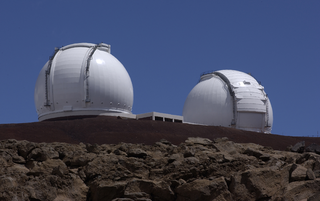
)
(82, 79)
(229, 98)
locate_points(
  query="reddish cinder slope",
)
(110, 130)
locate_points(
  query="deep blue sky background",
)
(166, 45)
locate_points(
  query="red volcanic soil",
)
(110, 130)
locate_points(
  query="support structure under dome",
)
(83, 79)
(229, 98)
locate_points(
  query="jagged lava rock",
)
(299, 147)
(198, 169)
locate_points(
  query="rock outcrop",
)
(198, 169)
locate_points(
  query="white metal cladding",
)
(229, 98)
(83, 79)
(209, 103)
(248, 92)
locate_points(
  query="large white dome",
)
(82, 79)
(229, 98)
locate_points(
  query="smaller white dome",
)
(83, 79)
(229, 98)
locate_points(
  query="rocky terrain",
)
(197, 169)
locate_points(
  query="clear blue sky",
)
(166, 45)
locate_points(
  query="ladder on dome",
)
(92, 51)
(47, 74)
(94, 48)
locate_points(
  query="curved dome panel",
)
(82, 79)
(209, 103)
(229, 98)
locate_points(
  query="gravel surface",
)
(111, 130)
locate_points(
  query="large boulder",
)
(139, 188)
(205, 190)
(106, 190)
(198, 140)
(313, 148)
(298, 173)
(260, 183)
(46, 167)
(300, 190)
(43, 153)
(299, 147)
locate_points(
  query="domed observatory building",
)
(83, 79)
(229, 98)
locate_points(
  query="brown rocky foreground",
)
(107, 158)
(197, 169)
